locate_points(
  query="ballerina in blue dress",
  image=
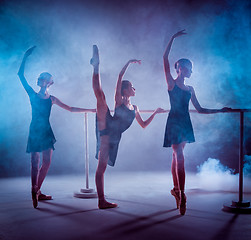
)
(179, 130)
(41, 138)
(110, 128)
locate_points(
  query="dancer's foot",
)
(34, 195)
(103, 204)
(176, 194)
(42, 197)
(95, 56)
(183, 201)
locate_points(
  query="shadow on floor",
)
(224, 233)
(139, 223)
(202, 191)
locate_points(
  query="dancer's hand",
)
(159, 110)
(134, 61)
(95, 56)
(29, 51)
(180, 33)
(225, 109)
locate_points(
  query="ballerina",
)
(179, 130)
(41, 138)
(110, 128)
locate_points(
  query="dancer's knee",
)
(47, 158)
(178, 151)
(100, 96)
(180, 157)
(101, 168)
(180, 166)
(46, 161)
(35, 160)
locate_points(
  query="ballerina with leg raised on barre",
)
(109, 128)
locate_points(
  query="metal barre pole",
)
(86, 152)
(86, 192)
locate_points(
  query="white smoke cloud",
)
(214, 176)
(247, 166)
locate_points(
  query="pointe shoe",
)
(176, 194)
(104, 205)
(34, 194)
(183, 201)
(42, 197)
(95, 56)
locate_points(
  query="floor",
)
(146, 210)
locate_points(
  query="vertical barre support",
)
(241, 156)
(86, 152)
(86, 192)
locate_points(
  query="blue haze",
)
(218, 44)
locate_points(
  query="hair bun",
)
(45, 76)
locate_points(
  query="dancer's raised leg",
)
(104, 140)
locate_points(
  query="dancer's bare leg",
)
(102, 164)
(47, 154)
(34, 168)
(178, 151)
(175, 191)
(99, 177)
(34, 177)
(174, 172)
(104, 140)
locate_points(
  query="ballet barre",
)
(239, 206)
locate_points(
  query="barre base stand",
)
(86, 193)
(240, 206)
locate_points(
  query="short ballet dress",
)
(115, 126)
(178, 127)
(41, 136)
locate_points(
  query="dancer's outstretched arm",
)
(20, 73)
(68, 108)
(169, 78)
(118, 95)
(204, 110)
(145, 123)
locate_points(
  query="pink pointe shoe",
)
(176, 194)
(43, 197)
(183, 201)
(95, 56)
(34, 194)
(103, 204)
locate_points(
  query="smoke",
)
(64, 32)
(214, 176)
(247, 166)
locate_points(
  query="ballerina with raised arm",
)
(179, 130)
(41, 138)
(110, 128)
